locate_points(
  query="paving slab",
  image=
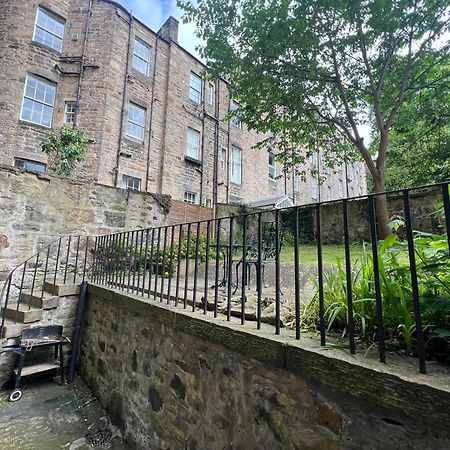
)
(51, 417)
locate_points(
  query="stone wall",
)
(104, 90)
(172, 379)
(423, 207)
(37, 209)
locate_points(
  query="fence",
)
(202, 265)
(394, 294)
(64, 261)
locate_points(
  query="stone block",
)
(62, 290)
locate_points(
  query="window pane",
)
(38, 101)
(49, 30)
(141, 57)
(193, 143)
(236, 165)
(195, 88)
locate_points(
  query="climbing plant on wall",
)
(67, 148)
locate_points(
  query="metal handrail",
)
(143, 265)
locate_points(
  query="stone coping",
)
(393, 386)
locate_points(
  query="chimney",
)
(169, 30)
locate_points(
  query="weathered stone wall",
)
(423, 207)
(172, 379)
(107, 86)
(37, 209)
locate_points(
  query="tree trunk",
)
(381, 207)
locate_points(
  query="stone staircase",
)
(36, 309)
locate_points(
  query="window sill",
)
(45, 47)
(193, 161)
(136, 73)
(136, 142)
(38, 126)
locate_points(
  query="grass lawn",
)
(330, 252)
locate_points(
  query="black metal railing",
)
(207, 266)
(64, 261)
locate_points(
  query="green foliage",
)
(312, 73)
(68, 147)
(433, 271)
(202, 247)
(420, 139)
(120, 256)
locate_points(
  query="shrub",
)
(433, 272)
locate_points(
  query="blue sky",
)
(155, 12)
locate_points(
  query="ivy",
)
(68, 147)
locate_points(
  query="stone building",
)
(154, 125)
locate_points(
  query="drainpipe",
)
(202, 171)
(229, 156)
(166, 103)
(83, 56)
(216, 149)
(124, 95)
(152, 101)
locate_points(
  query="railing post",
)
(414, 284)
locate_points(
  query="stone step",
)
(11, 329)
(24, 314)
(61, 290)
(48, 301)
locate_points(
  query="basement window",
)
(190, 197)
(27, 164)
(131, 183)
(49, 30)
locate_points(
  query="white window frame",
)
(296, 183)
(223, 158)
(195, 91)
(190, 197)
(133, 123)
(136, 57)
(234, 106)
(272, 167)
(38, 101)
(69, 115)
(131, 183)
(23, 162)
(210, 93)
(55, 18)
(236, 165)
(193, 144)
(314, 188)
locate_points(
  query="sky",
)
(155, 12)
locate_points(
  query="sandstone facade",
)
(95, 75)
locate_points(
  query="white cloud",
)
(155, 12)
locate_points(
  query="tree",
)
(313, 71)
(67, 148)
(419, 151)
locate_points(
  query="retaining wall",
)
(172, 379)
